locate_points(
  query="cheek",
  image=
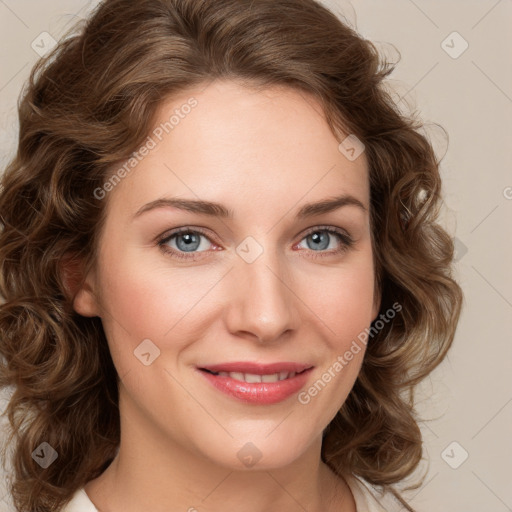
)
(150, 301)
(344, 301)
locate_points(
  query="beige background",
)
(468, 400)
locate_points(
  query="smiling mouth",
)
(251, 378)
(257, 384)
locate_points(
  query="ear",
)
(79, 286)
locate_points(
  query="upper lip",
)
(257, 368)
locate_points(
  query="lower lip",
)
(258, 392)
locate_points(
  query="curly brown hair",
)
(87, 106)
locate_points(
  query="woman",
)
(222, 269)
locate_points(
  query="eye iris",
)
(191, 242)
(319, 237)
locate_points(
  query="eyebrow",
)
(218, 210)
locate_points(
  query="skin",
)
(263, 155)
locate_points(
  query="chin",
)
(258, 452)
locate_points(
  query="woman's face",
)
(260, 285)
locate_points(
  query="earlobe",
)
(80, 288)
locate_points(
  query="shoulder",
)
(80, 502)
(368, 498)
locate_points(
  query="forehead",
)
(239, 144)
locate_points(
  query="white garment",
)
(365, 500)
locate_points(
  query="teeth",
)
(251, 377)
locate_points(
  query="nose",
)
(262, 303)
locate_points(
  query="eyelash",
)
(346, 242)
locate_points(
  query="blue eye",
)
(186, 243)
(320, 240)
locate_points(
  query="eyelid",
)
(185, 229)
(346, 240)
(326, 227)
